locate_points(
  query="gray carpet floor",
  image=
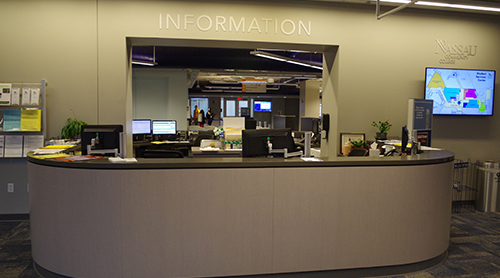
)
(474, 249)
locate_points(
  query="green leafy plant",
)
(72, 129)
(359, 144)
(383, 127)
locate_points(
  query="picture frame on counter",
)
(346, 137)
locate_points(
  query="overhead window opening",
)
(231, 76)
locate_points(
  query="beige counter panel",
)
(236, 221)
(360, 216)
(156, 223)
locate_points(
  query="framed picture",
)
(347, 137)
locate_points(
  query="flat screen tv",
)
(164, 127)
(460, 91)
(141, 127)
(262, 106)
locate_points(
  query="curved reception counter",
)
(206, 217)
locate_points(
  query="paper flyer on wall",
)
(13, 146)
(2, 139)
(11, 120)
(15, 96)
(31, 119)
(26, 96)
(5, 94)
(35, 96)
(31, 143)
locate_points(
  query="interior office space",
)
(371, 67)
(226, 80)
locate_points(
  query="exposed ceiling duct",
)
(223, 70)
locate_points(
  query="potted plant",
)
(72, 129)
(383, 127)
(359, 144)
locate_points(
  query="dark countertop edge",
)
(430, 157)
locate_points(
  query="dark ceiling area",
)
(220, 70)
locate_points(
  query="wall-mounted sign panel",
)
(253, 85)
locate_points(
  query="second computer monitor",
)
(141, 127)
(164, 129)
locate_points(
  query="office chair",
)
(358, 152)
(162, 154)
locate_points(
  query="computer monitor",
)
(103, 139)
(309, 124)
(141, 127)
(164, 127)
(404, 139)
(285, 121)
(255, 141)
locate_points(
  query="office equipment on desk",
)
(200, 137)
(207, 144)
(102, 139)
(250, 123)
(310, 124)
(267, 142)
(164, 129)
(141, 128)
(404, 139)
(358, 152)
(285, 121)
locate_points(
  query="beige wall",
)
(80, 47)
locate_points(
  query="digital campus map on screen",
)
(460, 91)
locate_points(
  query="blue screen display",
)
(460, 91)
(262, 106)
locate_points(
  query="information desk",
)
(202, 217)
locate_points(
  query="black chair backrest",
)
(358, 152)
(162, 154)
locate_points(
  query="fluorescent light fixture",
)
(445, 5)
(284, 59)
(253, 82)
(147, 63)
(458, 6)
(144, 63)
(395, 1)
